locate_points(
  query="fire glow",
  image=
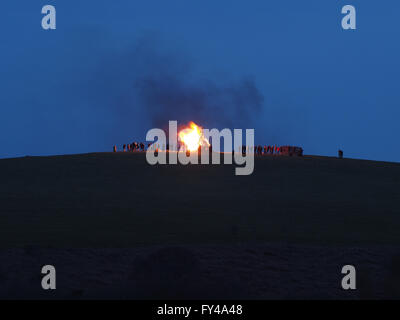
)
(193, 137)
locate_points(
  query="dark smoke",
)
(170, 90)
(170, 97)
(148, 86)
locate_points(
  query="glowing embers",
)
(193, 137)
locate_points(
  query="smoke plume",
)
(174, 92)
(149, 86)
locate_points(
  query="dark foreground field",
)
(115, 226)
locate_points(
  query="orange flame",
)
(193, 137)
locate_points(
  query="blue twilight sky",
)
(75, 89)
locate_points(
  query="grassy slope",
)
(107, 199)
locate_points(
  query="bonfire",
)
(192, 137)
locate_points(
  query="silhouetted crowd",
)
(261, 149)
(258, 149)
(134, 146)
